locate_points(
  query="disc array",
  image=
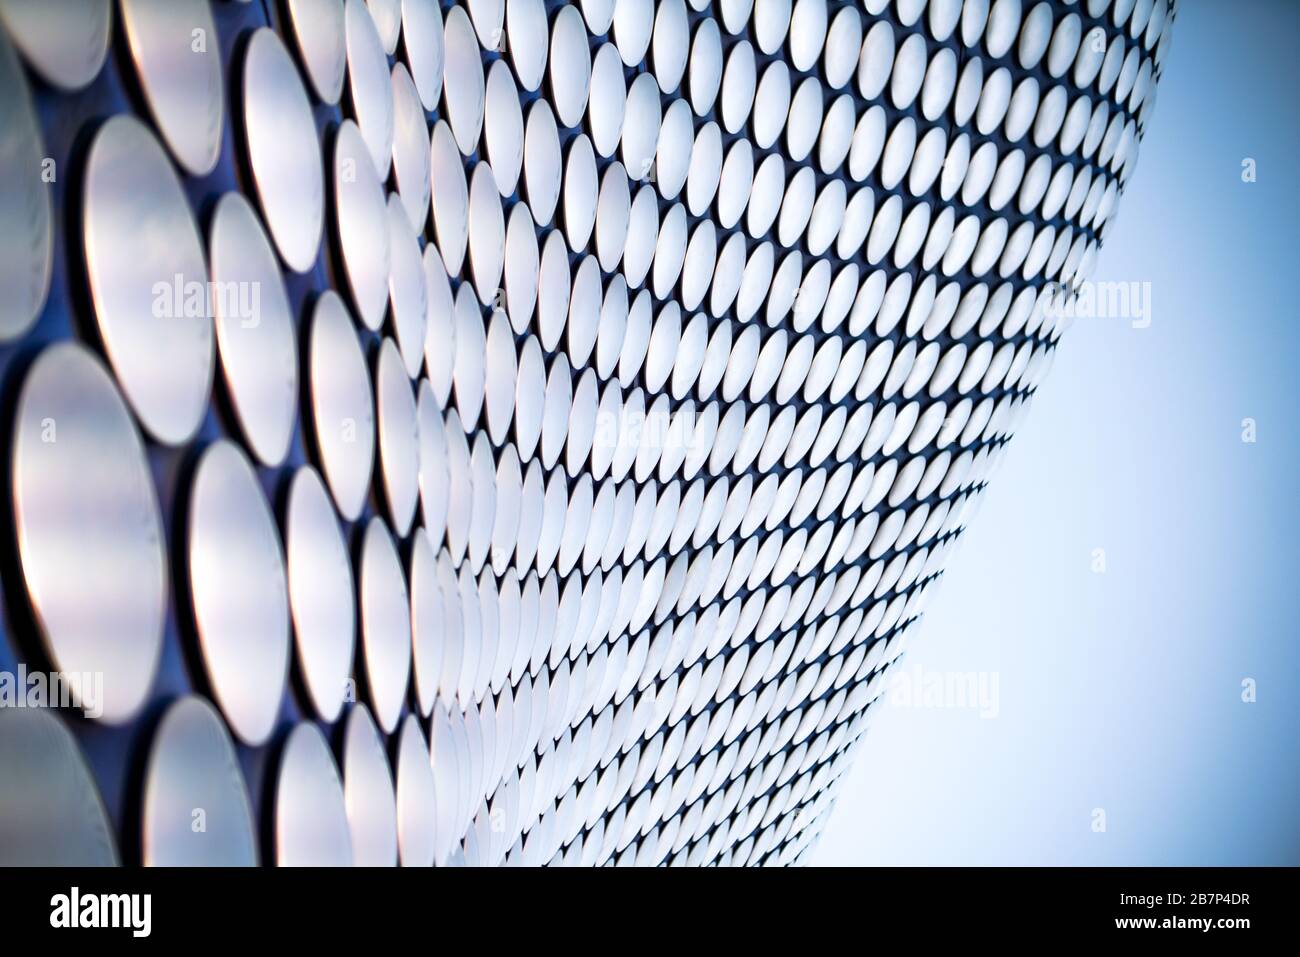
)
(510, 431)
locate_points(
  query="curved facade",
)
(511, 432)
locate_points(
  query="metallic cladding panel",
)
(506, 430)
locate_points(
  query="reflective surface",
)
(343, 411)
(148, 279)
(65, 41)
(319, 29)
(361, 217)
(368, 83)
(385, 624)
(90, 536)
(233, 545)
(320, 593)
(398, 436)
(174, 46)
(463, 88)
(368, 792)
(196, 809)
(53, 815)
(602, 388)
(283, 151)
(255, 330)
(26, 232)
(311, 822)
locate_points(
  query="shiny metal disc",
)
(738, 82)
(633, 24)
(471, 357)
(385, 624)
(411, 160)
(569, 66)
(584, 311)
(555, 416)
(369, 84)
(580, 191)
(661, 353)
(771, 104)
(255, 329)
(487, 233)
(234, 550)
(805, 119)
(505, 528)
(65, 41)
(387, 15)
(51, 813)
(450, 198)
(807, 28)
(148, 280)
(90, 534)
(196, 807)
(483, 511)
(671, 44)
(641, 127)
(843, 44)
(673, 151)
(435, 477)
(283, 151)
(501, 373)
(440, 329)
(530, 391)
(527, 34)
(582, 429)
(343, 412)
(443, 760)
(368, 792)
(26, 229)
(670, 251)
(177, 57)
(454, 633)
(361, 214)
(607, 101)
(613, 208)
(463, 89)
(408, 290)
(520, 267)
(697, 269)
(416, 802)
(771, 23)
(642, 231)
(320, 593)
(503, 128)
(422, 38)
(428, 619)
(311, 818)
(320, 33)
(553, 283)
(599, 14)
(488, 17)
(541, 162)
(613, 329)
(705, 76)
(398, 437)
(705, 169)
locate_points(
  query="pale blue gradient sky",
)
(1122, 690)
